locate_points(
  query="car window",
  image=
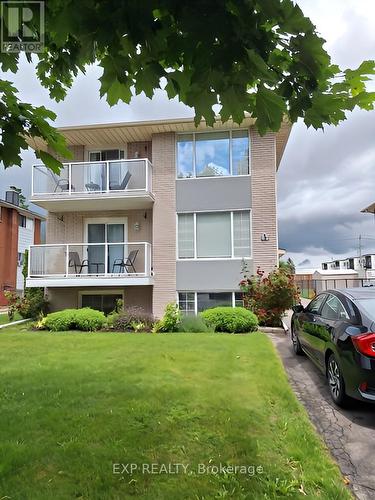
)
(334, 309)
(315, 304)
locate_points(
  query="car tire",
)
(336, 382)
(295, 342)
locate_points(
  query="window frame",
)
(233, 293)
(232, 257)
(231, 175)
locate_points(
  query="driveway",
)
(349, 434)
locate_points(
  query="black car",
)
(337, 331)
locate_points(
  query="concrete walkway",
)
(349, 434)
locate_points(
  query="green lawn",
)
(74, 404)
(4, 318)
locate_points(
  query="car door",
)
(333, 316)
(306, 322)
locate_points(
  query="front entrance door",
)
(102, 257)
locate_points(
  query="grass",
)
(4, 318)
(74, 404)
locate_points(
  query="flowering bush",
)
(269, 296)
(132, 319)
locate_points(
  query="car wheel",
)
(336, 382)
(296, 343)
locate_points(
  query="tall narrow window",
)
(185, 162)
(240, 152)
(186, 236)
(241, 234)
(214, 235)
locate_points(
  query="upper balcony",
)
(100, 185)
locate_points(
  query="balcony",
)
(90, 264)
(101, 185)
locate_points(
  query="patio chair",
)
(63, 184)
(119, 187)
(75, 261)
(124, 264)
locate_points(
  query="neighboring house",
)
(157, 212)
(354, 263)
(19, 228)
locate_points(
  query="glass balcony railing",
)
(75, 260)
(90, 178)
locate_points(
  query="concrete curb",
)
(272, 329)
(14, 323)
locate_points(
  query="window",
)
(241, 234)
(314, 305)
(209, 300)
(209, 235)
(193, 302)
(185, 236)
(104, 302)
(20, 259)
(333, 309)
(238, 299)
(214, 235)
(186, 302)
(107, 155)
(213, 154)
(22, 221)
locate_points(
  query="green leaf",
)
(49, 161)
(118, 91)
(270, 108)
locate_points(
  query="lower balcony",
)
(85, 264)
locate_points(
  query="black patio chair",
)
(113, 186)
(62, 184)
(124, 264)
(75, 261)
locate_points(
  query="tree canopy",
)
(263, 57)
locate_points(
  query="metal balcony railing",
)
(90, 178)
(75, 260)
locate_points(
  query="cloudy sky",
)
(325, 178)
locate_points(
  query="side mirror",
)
(298, 308)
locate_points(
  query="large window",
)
(214, 235)
(213, 154)
(193, 302)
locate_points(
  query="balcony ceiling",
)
(109, 134)
(64, 203)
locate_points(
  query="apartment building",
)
(157, 212)
(19, 228)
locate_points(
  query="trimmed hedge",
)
(84, 319)
(230, 319)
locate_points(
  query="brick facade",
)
(8, 251)
(264, 203)
(164, 221)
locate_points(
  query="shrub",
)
(88, 320)
(230, 319)
(170, 320)
(133, 319)
(269, 296)
(31, 305)
(85, 319)
(193, 324)
(60, 321)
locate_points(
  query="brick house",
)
(157, 212)
(19, 228)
